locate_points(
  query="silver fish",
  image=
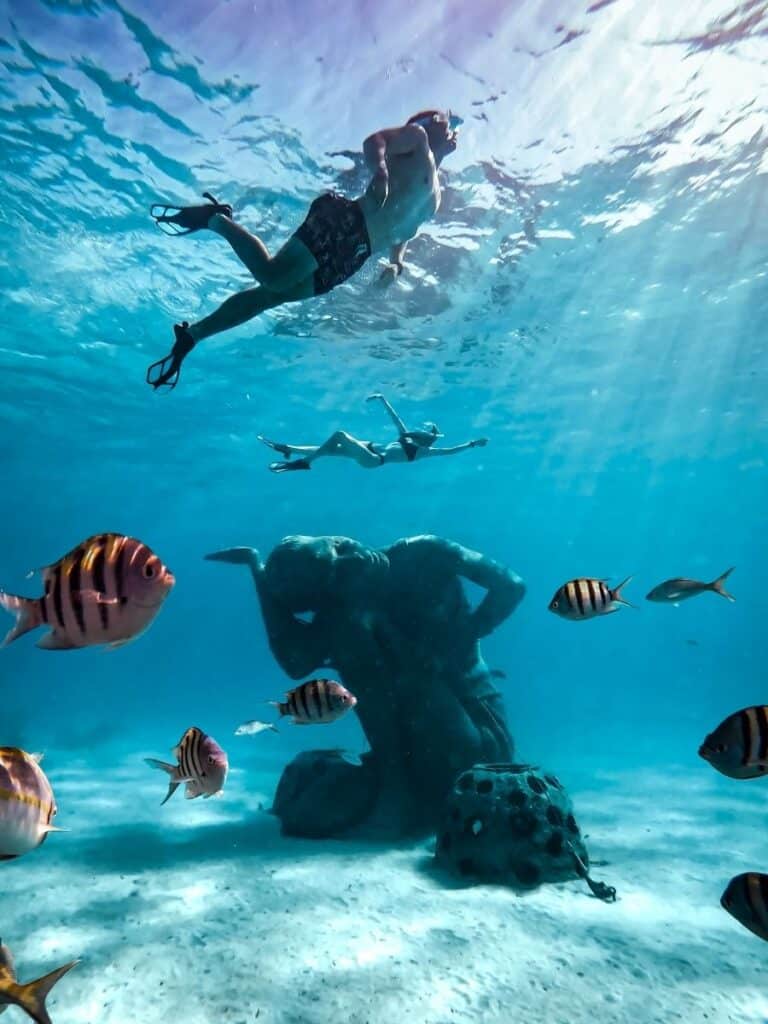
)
(31, 996)
(253, 728)
(107, 590)
(202, 765)
(677, 590)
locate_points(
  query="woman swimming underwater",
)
(409, 446)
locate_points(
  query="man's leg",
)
(245, 305)
(281, 272)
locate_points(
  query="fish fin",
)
(37, 756)
(172, 787)
(718, 587)
(163, 766)
(55, 641)
(31, 997)
(236, 556)
(93, 597)
(616, 593)
(192, 790)
(53, 828)
(281, 707)
(119, 643)
(27, 612)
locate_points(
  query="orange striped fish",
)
(585, 598)
(201, 764)
(107, 590)
(746, 899)
(31, 996)
(316, 702)
(739, 745)
(27, 806)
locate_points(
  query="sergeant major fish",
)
(677, 590)
(746, 899)
(316, 702)
(201, 764)
(107, 590)
(585, 598)
(31, 996)
(739, 745)
(27, 805)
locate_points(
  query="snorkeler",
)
(409, 446)
(336, 238)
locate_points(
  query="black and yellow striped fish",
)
(746, 899)
(201, 764)
(107, 590)
(585, 598)
(739, 745)
(316, 702)
(27, 804)
(29, 996)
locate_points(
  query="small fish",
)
(27, 805)
(202, 765)
(738, 747)
(30, 997)
(316, 702)
(585, 598)
(677, 590)
(746, 899)
(107, 590)
(253, 728)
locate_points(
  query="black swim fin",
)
(283, 467)
(169, 367)
(183, 220)
(283, 449)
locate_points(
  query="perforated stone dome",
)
(509, 823)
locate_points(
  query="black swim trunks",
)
(335, 233)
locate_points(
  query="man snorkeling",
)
(336, 238)
(409, 446)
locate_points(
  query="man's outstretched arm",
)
(389, 142)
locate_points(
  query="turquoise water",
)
(591, 297)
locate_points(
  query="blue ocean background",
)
(592, 297)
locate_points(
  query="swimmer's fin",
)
(283, 449)
(283, 467)
(183, 220)
(165, 372)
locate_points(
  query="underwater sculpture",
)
(514, 825)
(397, 627)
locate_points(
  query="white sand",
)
(199, 912)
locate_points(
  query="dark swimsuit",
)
(409, 448)
(335, 233)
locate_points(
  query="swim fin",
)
(283, 449)
(183, 220)
(169, 367)
(283, 467)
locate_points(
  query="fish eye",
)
(554, 603)
(211, 759)
(720, 748)
(149, 571)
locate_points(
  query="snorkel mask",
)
(425, 437)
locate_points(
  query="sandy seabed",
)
(201, 912)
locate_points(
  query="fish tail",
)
(281, 707)
(31, 997)
(27, 612)
(718, 587)
(616, 593)
(170, 769)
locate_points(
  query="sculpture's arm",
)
(505, 589)
(295, 644)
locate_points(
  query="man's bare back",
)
(337, 236)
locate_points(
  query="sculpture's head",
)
(304, 571)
